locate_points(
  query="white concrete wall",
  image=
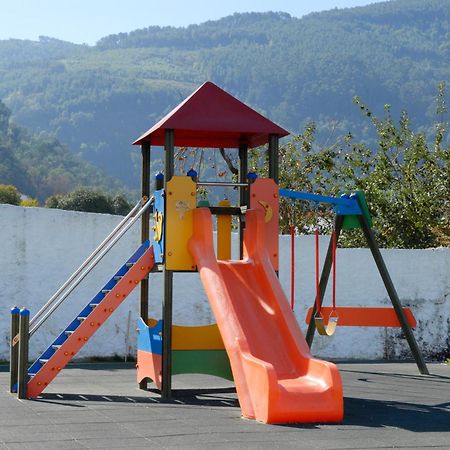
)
(40, 248)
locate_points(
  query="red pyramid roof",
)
(210, 117)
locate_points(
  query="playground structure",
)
(257, 341)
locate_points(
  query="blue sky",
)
(86, 21)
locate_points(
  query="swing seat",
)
(350, 316)
(327, 326)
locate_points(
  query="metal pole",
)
(111, 244)
(22, 376)
(393, 295)
(222, 183)
(88, 260)
(324, 279)
(14, 349)
(166, 385)
(243, 192)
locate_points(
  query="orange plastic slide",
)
(277, 380)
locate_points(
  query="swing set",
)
(326, 319)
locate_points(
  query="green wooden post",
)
(273, 150)
(389, 285)
(166, 387)
(24, 334)
(14, 349)
(145, 233)
(243, 193)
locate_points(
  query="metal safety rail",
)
(91, 261)
(22, 328)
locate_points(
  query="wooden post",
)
(14, 349)
(24, 335)
(145, 233)
(389, 285)
(166, 385)
(273, 157)
(243, 193)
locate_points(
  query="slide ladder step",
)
(65, 346)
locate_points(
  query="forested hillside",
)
(40, 166)
(98, 99)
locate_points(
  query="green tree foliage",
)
(39, 165)
(9, 194)
(89, 200)
(97, 99)
(406, 180)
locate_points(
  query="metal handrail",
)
(101, 251)
(222, 183)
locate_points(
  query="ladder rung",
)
(129, 264)
(43, 361)
(93, 305)
(106, 291)
(81, 318)
(31, 375)
(68, 333)
(56, 346)
(118, 277)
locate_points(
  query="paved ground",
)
(386, 406)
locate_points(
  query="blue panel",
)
(150, 338)
(158, 207)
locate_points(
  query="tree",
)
(9, 194)
(89, 200)
(406, 180)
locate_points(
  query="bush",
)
(89, 200)
(9, 194)
(29, 202)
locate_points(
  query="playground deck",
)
(387, 405)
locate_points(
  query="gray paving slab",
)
(100, 406)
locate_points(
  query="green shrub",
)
(9, 194)
(89, 200)
(29, 202)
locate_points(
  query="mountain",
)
(97, 99)
(40, 166)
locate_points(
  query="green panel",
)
(210, 362)
(352, 222)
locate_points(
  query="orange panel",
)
(224, 233)
(277, 379)
(149, 365)
(264, 197)
(365, 317)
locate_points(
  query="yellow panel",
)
(204, 337)
(224, 233)
(180, 201)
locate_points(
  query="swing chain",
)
(330, 328)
